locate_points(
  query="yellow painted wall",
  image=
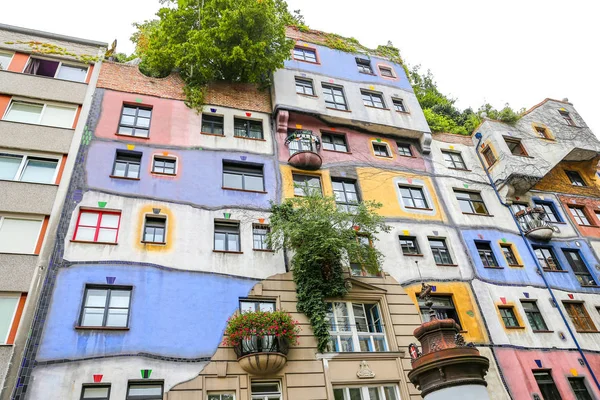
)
(557, 181)
(170, 228)
(288, 182)
(466, 308)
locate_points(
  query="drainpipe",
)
(479, 137)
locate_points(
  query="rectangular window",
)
(381, 150)
(486, 254)
(534, 316)
(579, 215)
(454, 160)
(334, 142)
(247, 128)
(386, 71)
(509, 255)
(221, 396)
(5, 59)
(106, 306)
(127, 164)
(144, 391)
(548, 388)
(259, 234)
(388, 392)
(18, 235)
(575, 178)
(579, 267)
(470, 202)
(580, 317)
(97, 226)
(163, 165)
(409, 245)
(581, 391)
(488, 155)
(371, 99)
(440, 251)
(243, 176)
(413, 197)
(8, 309)
(509, 317)
(41, 114)
(15, 167)
(55, 69)
(551, 213)
(515, 146)
(135, 121)
(252, 305)
(304, 54)
(304, 86)
(542, 132)
(227, 236)
(334, 97)
(265, 390)
(155, 228)
(443, 307)
(567, 117)
(306, 183)
(364, 66)
(95, 392)
(303, 140)
(346, 194)
(73, 73)
(399, 105)
(212, 124)
(547, 259)
(404, 149)
(355, 327)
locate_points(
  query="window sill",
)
(377, 108)
(589, 226)
(228, 252)
(418, 208)
(335, 151)
(250, 138)
(402, 155)
(307, 95)
(124, 178)
(359, 355)
(492, 267)
(587, 331)
(447, 265)
(213, 134)
(544, 331)
(515, 265)
(522, 155)
(244, 190)
(156, 243)
(101, 328)
(515, 327)
(460, 169)
(32, 183)
(131, 136)
(337, 109)
(92, 242)
(556, 270)
(367, 73)
(480, 215)
(162, 173)
(384, 157)
(413, 255)
(308, 62)
(264, 250)
(402, 112)
(590, 286)
(30, 123)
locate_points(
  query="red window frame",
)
(97, 226)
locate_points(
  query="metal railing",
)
(261, 344)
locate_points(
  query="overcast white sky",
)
(512, 51)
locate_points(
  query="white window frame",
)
(3, 341)
(60, 64)
(364, 391)
(220, 393)
(12, 56)
(24, 158)
(336, 335)
(44, 105)
(266, 396)
(29, 218)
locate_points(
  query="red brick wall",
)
(453, 138)
(245, 96)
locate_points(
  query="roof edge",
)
(50, 35)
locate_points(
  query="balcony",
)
(535, 224)
(262, 355)
(304, 147)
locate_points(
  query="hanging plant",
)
(277, 324)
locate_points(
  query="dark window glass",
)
(259, 235)
(470, 202)
(303, 54)
(162, 165)
(567, 117)
(575, 178)
(302, 183)
(534, 316)
(127, 164)
(404, 149)
(486, 254)
(304, 86)
(399, 105)
(154, 230)
(144, 391)
(413, 197)
(509, 255)
(371, 99)
(105, 306)
(334, 142)
(551, 213)
(508, 317)
(386, 71)
(40, 67)
(579, 215)
(515, 146)
(212, 124)
(95, 392)
(247, 128)
(227, 236)
(489, 156)
(547, 259)
(542, 132)
(409, 245)
(546, 384)
(364, 66)
(579, 388)
(440, 251)
(381, 150)
(579, 317)
(243, 176)
(454, 160)
(334, 97)
(443, 306)
(135, 121)
(346, 195)
(579, 267)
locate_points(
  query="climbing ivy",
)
(323, 238)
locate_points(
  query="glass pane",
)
(88, 218)
(143, 122)
(254, 183)
(338, 394)
(347, 344)
(19, 235)
(110, 221)
(144, 390)
(134, 171)
(58, 116)
(129, 110)
(127, 119)
(144, 113)
(125, 131)
(5, 60)
(92, 317)
(232, 181)
(379, 343)
(96, 298)
(266, 307)
(117, 317)
(373, 393)
(85, 234)
(9, 165)
(24, 112)
(233, 242)
(355, 394)
(105, 235)
(7, 311)
(219, 241)
(72, 73)
(390, 393)
(120, 169)
(95, 392)
(365, 343)
(119, 298)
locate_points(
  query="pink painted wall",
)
(359, 144)
(517, 365)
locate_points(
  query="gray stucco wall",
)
(5, 355)
(14, 135)
(41, 87)
(29, 198)
(16, 271)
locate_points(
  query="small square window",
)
(163, 165)
(489, 156)
(212, 124)
(399, 105)
(5, 59)
(253, 305)
(227, 236)
(470, 202)
(404, 149)
(486, 254)
(546, 258)
(413, 197)
(259, 236)
(95, 392)
(221, 396)
(154, 229)
(304, 86)
(334, 97)
(386, 71)
(381, 150)
(106, 306)
(247, 128)
(509, 317)
(97, 226)
(127, 164)
(148, 390)
(265, 390)
(542, 132)
(534, 316)
(304, 54)
(304, 183)
(567, 117)
(371, 99)
(579, 215)
(243, 176)
(551, 215)
(454, 160)
(364, 66)
(442, 305)
(409, 246)
(509, 254)
(575, 178)
(135, 121)
(440, 251)
(334, 142)
(516, 147)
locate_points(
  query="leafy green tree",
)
(323, 238)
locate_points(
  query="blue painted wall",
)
(173, 313)
(528, 274)
(198, 181)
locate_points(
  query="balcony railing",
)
(304, 148)
(262, 355)
(535, 224)
(261, 344)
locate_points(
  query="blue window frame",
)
(552, 214)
